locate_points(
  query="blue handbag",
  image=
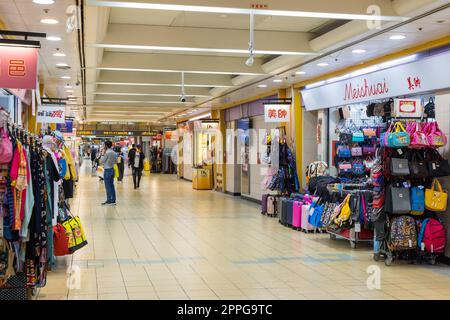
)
(358, 168)
(417, 200)
(398, 138)
(315, 219)
(344, 152)
(358, 136)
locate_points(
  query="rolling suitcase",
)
(306, 226)
(271, 205)
(264, 203)
(288, 207)
(297, 214)
(281, 213)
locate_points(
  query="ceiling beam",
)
(157, 91)
(191, 40)
(145, 99)
(348, 10)
(173, 63)
(149, 79)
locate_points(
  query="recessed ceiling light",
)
(322, 64)
(44, 1)
(62, 64)
(69, 91)
(68, 87)
(358, 50)
(262, 86)
(277, 80)
(53, 38)
(300, 72)
(49, 21)
(397, 37)
(65, 77)
(59, 54)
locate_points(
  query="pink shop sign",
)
(18, 68)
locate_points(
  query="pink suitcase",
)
(306, 226)
(297, 214)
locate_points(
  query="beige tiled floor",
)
(167, 241)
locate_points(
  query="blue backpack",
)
(316, 218)
(417, 200)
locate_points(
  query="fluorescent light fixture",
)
(206, 115)
(62, 64)
(225, 10)
(69, 91)
(65, 77)
(203, 50)
(300, 72)
(44, 1)
(315, 84)
(59, 54)
(322, 64)
(143, 102)
(262, 85)
(53, 38)
(68, 87)
(163, 84)
(277, 80)
(179, 71)
(49, 21)
(359, 51)
(151, 94)
(397, 37)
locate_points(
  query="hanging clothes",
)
(19, 182)
(29, 202)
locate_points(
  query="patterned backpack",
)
(402, 234)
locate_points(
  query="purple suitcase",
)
(264, 203)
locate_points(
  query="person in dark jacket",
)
(136, 161)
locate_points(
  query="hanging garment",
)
(19, 182)
(29, 201)
(71, 173)
(53, 175)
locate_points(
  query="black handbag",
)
(398, 200)
(437, 166)
(417, 165)
(345, 138)
(399, 167)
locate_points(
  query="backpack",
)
(403, 233)
(417, 200)
(432, 235)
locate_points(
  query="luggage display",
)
(306, 226)
(288, 207)
(271, 205)
(297, 214)
(264, 203)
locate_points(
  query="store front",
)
(357, 116)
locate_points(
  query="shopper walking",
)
(109, 159)
(120, 163)
(136, 161)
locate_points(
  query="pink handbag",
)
(6, 149)
(436, 138)
(418, 138)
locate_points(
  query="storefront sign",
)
(18, 67)
(66, 127)
(412, 78)
(277, 112)
(408, 108)
(51, 114)
(116, 133)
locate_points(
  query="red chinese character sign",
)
(277, 112)
(18, 68)
(51, 114)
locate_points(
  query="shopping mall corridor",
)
(168, 241)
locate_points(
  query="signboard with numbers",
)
(277, 112)
(18, 68)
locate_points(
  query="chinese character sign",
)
(277, 112)
(51, 114)
(18, 68)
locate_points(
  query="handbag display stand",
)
(356, 233)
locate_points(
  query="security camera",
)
(250, 61)
(77, 83)
(183, 99)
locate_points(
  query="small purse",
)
(369, 132)
(345, 137)
(358, 167)
(417, 165)
(436, 138)
(436, 199)
(357, 152)
(344, 167)
(343, 151)
(418, 138)
(368, 150)
(358, 136)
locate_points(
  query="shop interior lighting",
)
(151, 94)
(68, 86)
(277, 80)
(357, 51)
(262, 86)
(322, 64)
(177, 71)
(53, 38)
(65, 77)
(207, 115)
(62, 64)
(59, 54)
(397, 37)
(163, 85)
(201, 50)
(143, 102)
(49, 21)
(44, 1)
(225, 10)
(315, 84)
(300, 72)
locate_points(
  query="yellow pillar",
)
(298, 118)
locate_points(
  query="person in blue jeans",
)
(109, 159)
